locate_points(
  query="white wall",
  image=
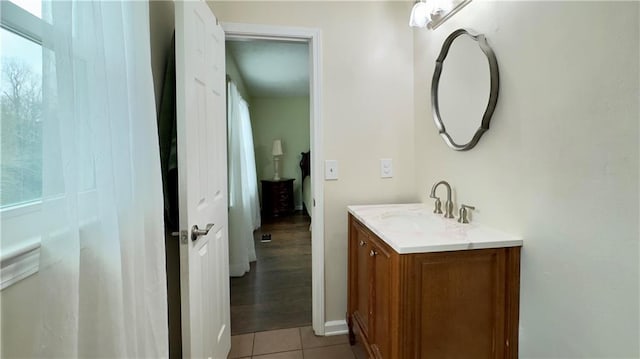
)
(367, 90)
(20, 306)
(285, 118)
(559, 165)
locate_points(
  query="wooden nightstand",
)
(277, 197)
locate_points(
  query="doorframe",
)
(313, 38)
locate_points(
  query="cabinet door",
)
(361, 286)
(460, 301)
(381, 299)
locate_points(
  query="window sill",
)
(21, 209)
(21, 230)
(19, 263)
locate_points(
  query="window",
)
(30, 135)
(32, 6)
(21, 120)
(21, 151)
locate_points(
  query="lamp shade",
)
(276, 150)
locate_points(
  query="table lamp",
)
(276, 151)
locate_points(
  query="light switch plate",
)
(386, 168)
(330, 170)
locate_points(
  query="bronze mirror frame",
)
(493, 94)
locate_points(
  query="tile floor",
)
(294, 343)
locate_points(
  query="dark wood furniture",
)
(457, 304)
(277, 197)
(305, 164)
(305, 170)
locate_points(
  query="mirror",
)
(464, 90)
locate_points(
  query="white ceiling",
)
(272, 68)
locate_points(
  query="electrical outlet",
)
(330, 170)
(386, 168)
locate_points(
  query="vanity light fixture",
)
(420, 14)
(432, 13)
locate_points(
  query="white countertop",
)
(414, 228)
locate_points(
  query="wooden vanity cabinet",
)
(369, 287)
(457, 304)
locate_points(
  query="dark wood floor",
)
(276, 293)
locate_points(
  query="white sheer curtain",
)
(102, 269)
(244, 205)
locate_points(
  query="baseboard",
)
(335, 327)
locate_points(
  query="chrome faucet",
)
(448, 205)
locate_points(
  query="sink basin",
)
(407, 221)
(421, 220)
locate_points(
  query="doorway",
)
(310, 37)
(268, 126)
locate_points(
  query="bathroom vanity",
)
(421, 286)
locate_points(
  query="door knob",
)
(362, 243)
(196, 232)
(372, 253)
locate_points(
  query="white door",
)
(202, 178)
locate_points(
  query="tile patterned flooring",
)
(294, 343)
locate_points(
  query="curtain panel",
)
(102, 274)
(244, 204)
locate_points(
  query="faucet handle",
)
(462, 218)
(438, 205)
